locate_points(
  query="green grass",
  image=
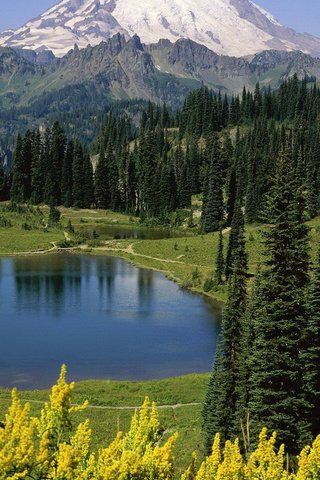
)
(188, 260)
(106, 423)
(97, 217)
(28, 231)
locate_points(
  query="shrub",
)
(54, 215)
(5, 222)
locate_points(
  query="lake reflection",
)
(101, 316)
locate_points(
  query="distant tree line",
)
(223, 148)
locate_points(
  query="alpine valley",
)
(159, 158)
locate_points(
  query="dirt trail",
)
(129, 250)
(31, 252)
(107, 407)
(66, 236)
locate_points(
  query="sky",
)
(302, 15)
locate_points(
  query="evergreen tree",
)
(235, 235)
(37, 170)
(54, 215)
(102, 194)
(184, 187)
(212, 212)
(48, 194)
(58, 147)
(222, 394)
(66, 176)
(88, 182)
(146, 168)
(19, 189)
(113, 178)
(277, 396)
(77, 175)
(220, 266)
(311, 356)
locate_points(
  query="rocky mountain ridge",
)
(227, 27)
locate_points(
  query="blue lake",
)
(103, 317)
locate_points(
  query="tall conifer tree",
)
(222, 395)
(213, 208)
(277, 395)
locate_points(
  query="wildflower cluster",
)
(265, 463)
(45, 449)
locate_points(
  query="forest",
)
(219, 147)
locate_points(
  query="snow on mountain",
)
(266, 14)
(229, 27)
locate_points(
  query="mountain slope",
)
(229, 27)
(121, 69)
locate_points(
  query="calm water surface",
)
(101, 316)
(107, 232)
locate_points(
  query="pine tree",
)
(167, 189)
(37, 170)
(184, 187)
(213, 208)
(146, 168)
(311, 356)
(88, 182)
(58, 147)
(222, 395)
(220, 266)
(66, 176)
(277, 395)
(47, 166)
(77, 175)
(113, 178)
(19, 189)
(237, 227)
(102, 194)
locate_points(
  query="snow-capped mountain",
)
(228, 27)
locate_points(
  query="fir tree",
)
(57, 155)
(236, 230)
(277, 395)
(222, 395)
(311, 356)
(66, 176)
(78, 176)
(37, 170)
(113, 178)
(102, 194)
(212, 213)
(88, 182)
(19, 189)
(47, 166)
(220, 265)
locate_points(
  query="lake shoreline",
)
(86, 250)
(167, 273)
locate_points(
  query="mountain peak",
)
(228, 27)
